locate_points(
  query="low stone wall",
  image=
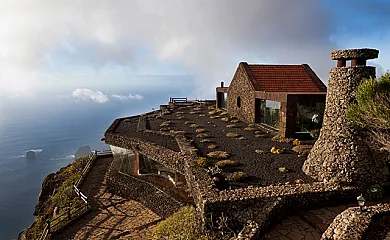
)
(134, 188)
(167, 157)
(266, 205)
(351, 224)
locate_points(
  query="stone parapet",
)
(348, 54)
(352, 224)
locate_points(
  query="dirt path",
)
(112, 217)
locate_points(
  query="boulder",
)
(30, 154)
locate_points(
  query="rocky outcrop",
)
(341, 153)
(51, 183)
(30, 155)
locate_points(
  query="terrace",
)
(248, 173)
(249, 146)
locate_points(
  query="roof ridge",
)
(260, 64)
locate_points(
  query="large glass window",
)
(309, 118)
(224, 102)
(269, 113)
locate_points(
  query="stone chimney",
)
(341, 153)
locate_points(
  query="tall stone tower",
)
(341, 153)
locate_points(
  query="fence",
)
(185, 100)
(73, 213)
(177, 100)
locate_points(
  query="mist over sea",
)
(54, 127)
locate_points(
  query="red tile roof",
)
(284, 78)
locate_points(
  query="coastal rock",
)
(49, 185)
(30, 155)
(82, 151)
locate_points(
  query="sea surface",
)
(54, 128)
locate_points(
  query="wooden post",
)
(68, 210)
(48, 225)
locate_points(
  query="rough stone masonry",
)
(341, 154)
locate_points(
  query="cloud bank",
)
(99, 97)
(206, 38)
(128, 97)
(88, 94)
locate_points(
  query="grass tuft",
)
(230, 134)
(202, 135)
(212, 146)
(180, 225)
(236, 176)
(218, 154)
(226, 163)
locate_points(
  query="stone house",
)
(288, 98)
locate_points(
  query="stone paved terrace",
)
(261, 166)
(111, 216)
(305, 225)
(311, 224)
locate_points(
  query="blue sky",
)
(105, 46)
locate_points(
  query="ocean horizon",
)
(54, 128)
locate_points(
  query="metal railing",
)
(53, 225)
(177, 100)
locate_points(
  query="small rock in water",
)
(86, 150)
(30, 154)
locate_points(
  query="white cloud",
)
(88, 94)
(128, 97)
(208, 38)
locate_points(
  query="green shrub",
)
(181, 225)
(203, 162)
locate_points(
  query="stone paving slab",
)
(305, 225)
(112, 217)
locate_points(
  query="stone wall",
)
(240, 86)
(266, 205)
(352, 224)
(341, 152)
(167, 157)
(134, 188)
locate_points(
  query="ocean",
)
(54, 128)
